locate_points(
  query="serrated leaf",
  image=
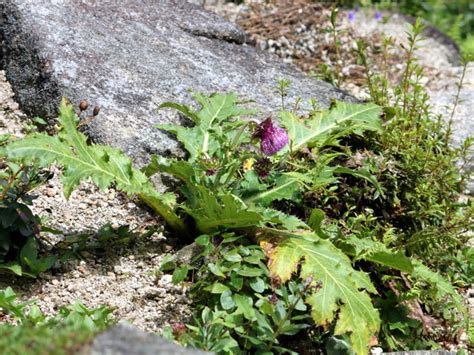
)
(343, 290)
(347, 118)
(285, 187)
(221, 211)
(215, 109)
(361, 173)
(437, 282)
(375, 251)
(286, 221)
(104, 165)
(186, 110)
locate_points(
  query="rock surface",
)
(127, 340)
(130, 56)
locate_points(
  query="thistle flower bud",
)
(83, 105)
(96, 111)
(272, 137)
(263, 167)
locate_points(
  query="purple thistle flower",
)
(272, 137)
(351, 15)
(378, 16)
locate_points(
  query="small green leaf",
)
(315, 222)
(15, 268)
(215, 269)
(257, 284)
(227, 302)
(179, 274)
(250, 271)
(217, 287)
(202, 240)
(233, 256)
(245, 305)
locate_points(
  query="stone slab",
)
(125, 339)
(129, 56)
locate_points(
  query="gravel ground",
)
(121, 277)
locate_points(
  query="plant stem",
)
(456, 102)
(233, 146)
(277, 332)
(10, 182)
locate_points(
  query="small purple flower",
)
(378, 16)
(272, 137)
(273, 298)
(351, 15)
(178, 329)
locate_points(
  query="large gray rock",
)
(128, 57)
(125, 339)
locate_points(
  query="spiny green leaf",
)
(104, 165)
(342, 287)
(437, 282)
(285, 187)
(348, 118)
(376, 252)
(282, 220)
(215, 109)
(363, 174)
(225, 211)
(186, 110)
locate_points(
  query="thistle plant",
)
(253, 180)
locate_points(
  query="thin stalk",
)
(456, 102)
(10, 182)
(337, 65)
(233, 146)
(277, 332)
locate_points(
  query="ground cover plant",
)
(325, 224)
(30, 331)
(249, 179)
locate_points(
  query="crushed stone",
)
(122, 278)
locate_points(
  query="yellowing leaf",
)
(342, 296)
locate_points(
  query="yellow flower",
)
(248, 164)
